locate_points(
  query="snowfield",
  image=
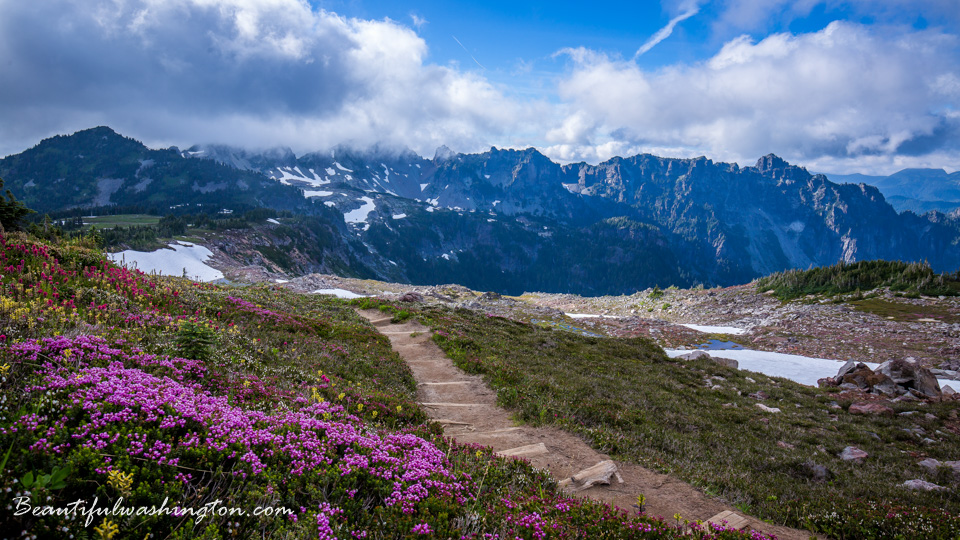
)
(340, 293)
(801, 369)
(732, 330)
(182, 257)
(360, 214)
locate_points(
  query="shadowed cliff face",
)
(509, 220)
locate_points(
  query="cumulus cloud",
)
(247, 72)
(262, 73)
(828, 98)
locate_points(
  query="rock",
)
(729, 362)
(911, 376)
(817, 472)
(947, 390)
(849, 386)
(930, 465)
(764, 408)
(886, 387)
(601, 473)
(926, 383)
(909, 396)
(695, 355)
(852, 453)
(866, 379)
(870, 407)
(411, 296)
(846, 368)
(785, 445)
(759, 395)
(826, 382)
(922, 485)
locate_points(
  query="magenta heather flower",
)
(422, 528)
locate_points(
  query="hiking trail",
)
(467, 409)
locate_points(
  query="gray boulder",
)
(411, 296)
(922, 485)
(852, 453)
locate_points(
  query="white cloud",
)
(246, 72)
(261, 73)
(835, 96)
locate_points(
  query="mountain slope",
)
(510, 220)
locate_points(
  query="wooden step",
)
(733, 519)
(529, 450)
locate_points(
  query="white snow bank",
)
(399, 216)
(316, 193)
(271, 220)
(340, 293)
(589, 316)
(173, 262)
(716, 329)
(801, 369)
(360, 214)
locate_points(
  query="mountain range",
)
(918, 190)
(503, 220)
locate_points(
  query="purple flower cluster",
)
(97, 403)
(262, 312)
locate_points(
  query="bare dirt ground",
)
(467, 409)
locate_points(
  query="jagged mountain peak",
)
(771, 162)
(444, 153)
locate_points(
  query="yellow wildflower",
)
(107, 529)
(120, 481)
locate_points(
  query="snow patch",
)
(281, 281)
(360, 214)
(330, 171)
(732, 330)
(316, 193)
(399, 216)
(340, 293)
(801, 369)
(185, 256)
(495, 203)
(589, 316)
(797, 227)
(271, 220)
(287, 174)
(423, 187)
(341, 167)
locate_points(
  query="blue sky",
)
(841, 86)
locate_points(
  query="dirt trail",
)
(467, 409)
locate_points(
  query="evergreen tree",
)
(12, 211)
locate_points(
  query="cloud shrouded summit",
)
(261, 73)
